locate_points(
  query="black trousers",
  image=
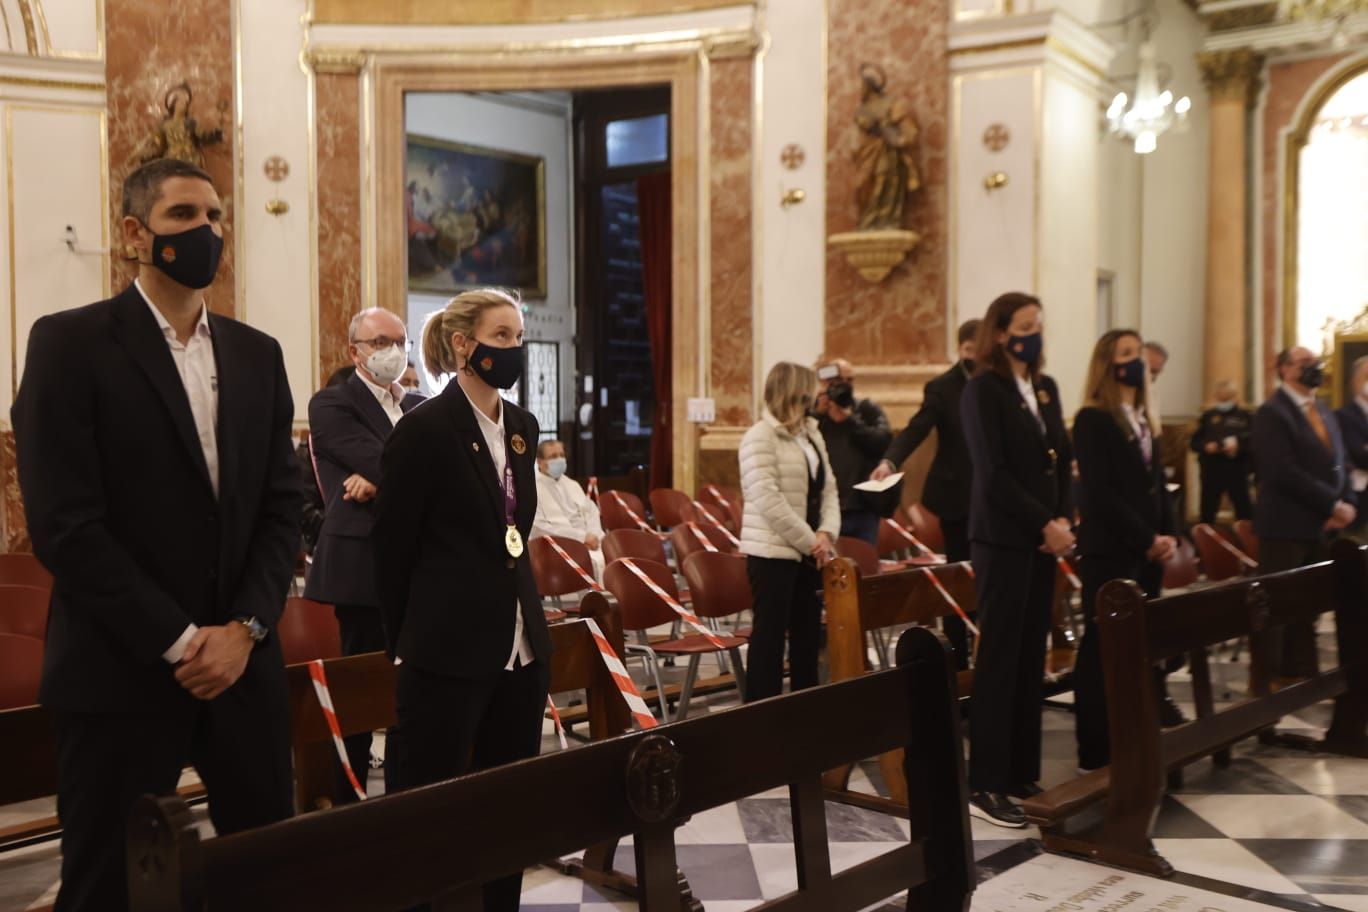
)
(956, 534)
(1289, 651)
(239, 744)
(363, 631)
(784, 597)
(451, 726)
(1015, 590)
(1090, 693)
(1225, 478)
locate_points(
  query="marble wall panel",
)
(338, 103)
(1287, 85)
(16, 537)
(151, 47)
(901, 319)
(732, 322)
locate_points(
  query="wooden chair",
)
(685, 542)
(865, 556)
(726, 595)
(24, 610)
(666, 504)
(555, 578)
(642, 609)
(633, 543)
(21, 667)
(926, 526)
(893, 543)
(400, 850)
(727, 498)
(710, 514)
(1219, 559)
(1249, 539)
(23, 570)
(1180, 570)
(308, 630)
(613, 510)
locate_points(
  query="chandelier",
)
(1150, 112)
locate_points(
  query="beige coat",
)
(774, 482)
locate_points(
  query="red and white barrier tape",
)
(717, 494)
(950, 600)
(573, 564)
(320, 683)
(641, 714)
(685, 614)
(703, 508)
(633, 515)
(555, 718)
(1242, 557)
(902, 530)
(591, 489)
(1074, 582)
(702, 539)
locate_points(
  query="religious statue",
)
(887, 171)
(178, 135)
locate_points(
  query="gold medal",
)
(513, 541)
(519, 445)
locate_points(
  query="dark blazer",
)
(447, 586)
(946, 492)
(1021, 476)
(1299, 479)
(347, 429)
(1122, 503)
(1214, 427)
(1353, 424)
(120, 507)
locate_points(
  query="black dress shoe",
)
(1029, 790)
(1169, 713)
(996, 808)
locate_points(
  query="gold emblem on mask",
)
(169, 254)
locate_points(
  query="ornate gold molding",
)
(30, 29)
(332, 61)
(1242, 17)
(498, 12)
(35, 83)
(1231, 75)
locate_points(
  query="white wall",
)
(531, 123)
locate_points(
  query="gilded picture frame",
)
(1349, 347)
(474, 217)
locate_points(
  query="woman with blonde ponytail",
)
(791, 520)
(463, 618)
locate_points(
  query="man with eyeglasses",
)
(348, 426)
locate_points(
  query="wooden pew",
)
(856, 605)
(1137, 634)
(402, 849)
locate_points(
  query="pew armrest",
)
(1051, 807)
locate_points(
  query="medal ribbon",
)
(573, 564)
(510, 493)
(950, 600)
(702, 539)
(685, 615)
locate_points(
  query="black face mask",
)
(969, 365)
(499, 367)
(190, 258)
(1312, 376)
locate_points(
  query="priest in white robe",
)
(563, 509)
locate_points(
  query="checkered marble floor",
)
(1288, 828)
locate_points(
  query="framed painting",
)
(1349, 347)
(475, 217)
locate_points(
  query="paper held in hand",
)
(874, 487)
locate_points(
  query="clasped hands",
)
(1341, 517)
(214, 659)
(358, 489)
(1059, 537)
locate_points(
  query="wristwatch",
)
(255, 629)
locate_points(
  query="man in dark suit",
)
(946, 492)
(348, 425)
(1221, 443)
(1304, 498)
(1353, 422)
(161, 490)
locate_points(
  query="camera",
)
(842, 393)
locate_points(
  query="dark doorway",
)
(621, 136)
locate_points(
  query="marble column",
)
(1232, 78)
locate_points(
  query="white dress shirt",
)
(493, 432)
(1028, 393)
(1141, 428)
(809, 451)
(199, 373)
(389, 399)
(1303, 402)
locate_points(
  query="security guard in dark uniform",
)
(1221, 443)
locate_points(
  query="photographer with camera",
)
(856, 434)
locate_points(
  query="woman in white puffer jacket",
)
(792, 517)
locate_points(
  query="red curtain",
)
(653, 207)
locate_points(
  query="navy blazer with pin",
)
(122, 512)
(1022, 473)
(1123, 503)
(1300, 479)
(447, 585)
(348, 429)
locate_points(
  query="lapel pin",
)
(475, 447)
(1043, 397)
(519, 445)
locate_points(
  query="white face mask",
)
(387, 364)
(555, 467)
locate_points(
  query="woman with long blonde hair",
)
(1126, 521)
(791, 520)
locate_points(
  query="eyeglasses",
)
(385, 342)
